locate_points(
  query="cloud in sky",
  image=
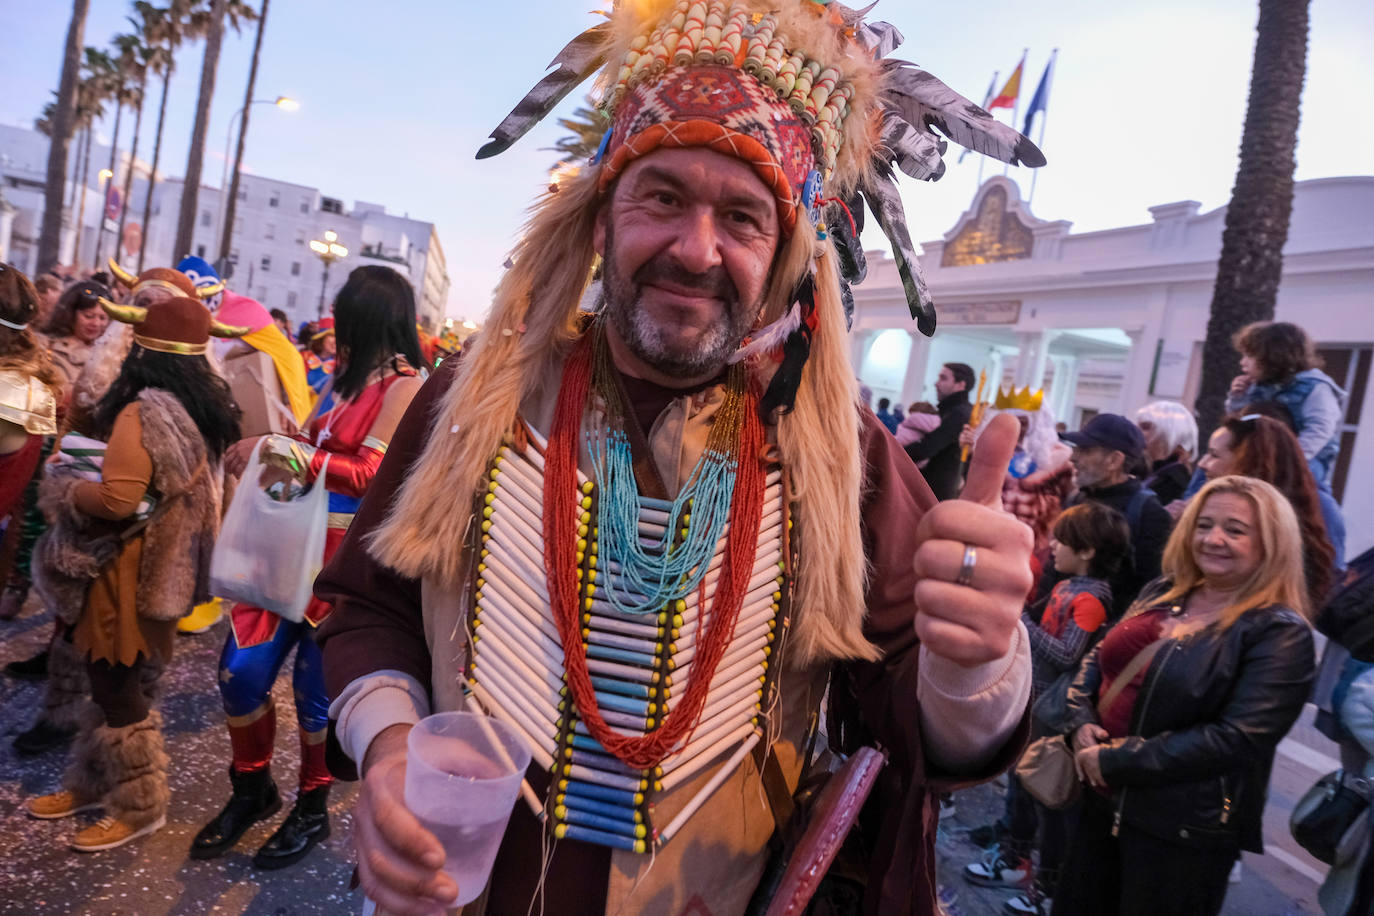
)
(1147, 106)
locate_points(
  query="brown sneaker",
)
(59, 805)
(109, 832)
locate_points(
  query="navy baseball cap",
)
(1109, 430)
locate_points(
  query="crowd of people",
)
(651, 526)
(127, 419)
(1195, 577)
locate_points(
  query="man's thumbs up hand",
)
(973, 560)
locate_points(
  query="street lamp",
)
(329, 250)
(226, 206)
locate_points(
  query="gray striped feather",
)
(576, 63)
(886, 203)
(879, 38)
(924, 100)
(916, 150)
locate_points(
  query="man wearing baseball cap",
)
(1105, 451)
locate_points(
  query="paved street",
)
(153, 876)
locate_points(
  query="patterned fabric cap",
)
(721, 108)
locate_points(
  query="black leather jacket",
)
(1212, 708)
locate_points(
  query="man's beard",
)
(709, 351)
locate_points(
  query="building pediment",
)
(997, 227)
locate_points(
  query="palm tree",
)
(143, 59)
(1256, 228)
(96, 88)
(230, 202)
(213, 21)
(123, 80)
(61, 122)
(164, 28)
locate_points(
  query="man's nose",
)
(697, 247)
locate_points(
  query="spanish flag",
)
(1007, 97)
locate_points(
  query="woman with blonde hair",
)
(1175, 715)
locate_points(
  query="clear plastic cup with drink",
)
(463, 774)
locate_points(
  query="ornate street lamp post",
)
(329, 250)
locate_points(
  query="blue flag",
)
(1041, 100)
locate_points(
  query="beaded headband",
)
(777, 86)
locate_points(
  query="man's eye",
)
(742, 218)
(665, 198)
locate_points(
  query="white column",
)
(66, 241)
(914, 380)
(1030, 366)
(7, 211)
(1064, 399)
(859, 343)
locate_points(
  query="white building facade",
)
(1111, 320)
(270, 246)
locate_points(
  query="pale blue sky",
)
(1147, 106)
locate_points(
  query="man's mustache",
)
(714, 283)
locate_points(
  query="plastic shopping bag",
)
(269, 552)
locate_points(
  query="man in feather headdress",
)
(644, 538)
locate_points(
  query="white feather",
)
(770, 338)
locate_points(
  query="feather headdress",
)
(865, 114)
(805, 94)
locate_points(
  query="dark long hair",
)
(204, 395)
(374, 321)
(78, 297)
(1267, 450)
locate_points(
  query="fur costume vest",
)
(177, 539)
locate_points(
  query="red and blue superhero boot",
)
(257, 647)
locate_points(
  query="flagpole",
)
(1044, 116)
(987, 100)
(1016, 103)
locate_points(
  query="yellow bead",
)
(489, 498)
(587, 486)
(486, 526)
(581, 531)
(581, 543)
(586, 502)
(639, 831)
(560, 831)
(639, 846)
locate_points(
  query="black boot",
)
(30, 669)
(42, 737)
(306, 825)
(255, 798)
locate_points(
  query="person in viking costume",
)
(66, 689)
(29, 387)
(647, 536)
(342, 446)
(127, 554)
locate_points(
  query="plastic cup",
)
(463, 774)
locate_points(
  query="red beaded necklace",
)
(562, 502)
